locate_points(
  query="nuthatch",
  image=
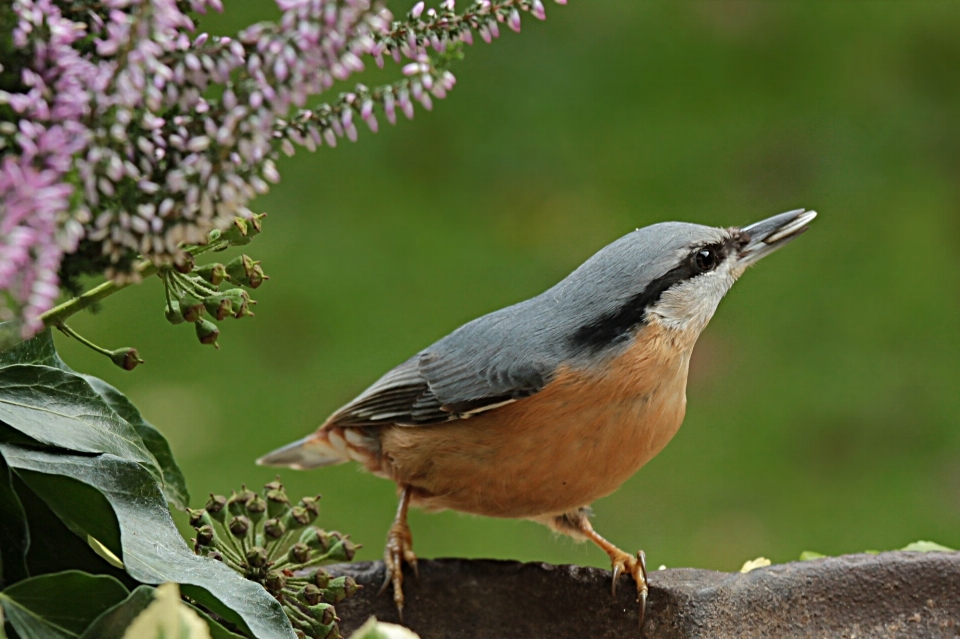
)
(536, 410)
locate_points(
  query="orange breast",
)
(576, 440)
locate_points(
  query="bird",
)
(538, 409)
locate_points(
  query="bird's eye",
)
(705, 260)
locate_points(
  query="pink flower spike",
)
(449, 5)
(389, 108)
(411, 69)
(417, 10)
(494, 28)
(371, 121)
(467, 36)
(560, 1)
(536, 8)
(485, 34)
(514, 20)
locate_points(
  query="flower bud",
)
(126, 358)
(218, 306)
(190, 307)
(257, 557)
(342, 550)
(199, 517)
(216, 506)
(245, 495)
(236, 233)
(214, 273)
(311, 594)
(274, 528)
(273, 485)
(172, 313)
(321, 577)
(205, 535)
(298, 517)
(277, 503)
(318, 538)
(244, 270)
(239, 526)
(339, 589)
(311, 504)
(215, 554)
(254, 224)
(240, 300)
(256, 508)
(207, 332)
(274, 582)
(324, 613)
(237, 504)
(299, 553)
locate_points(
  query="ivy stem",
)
(57, 316)
(69, 332)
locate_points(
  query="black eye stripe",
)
(608, 329)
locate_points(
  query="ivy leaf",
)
(38, 350)
(60, 409)
(113, 622)
(174, 484)
(41, 351)
(153, 550)
(60, 604)
(14, 534)
(83, 509)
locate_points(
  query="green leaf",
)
(84, 509)
(41, 351)
(807, 555)
(174, 484)
(38, 350)
(113, 622)
(61, 409)
(217, 631)
(927, 546)
(153, 550)
(59, 605)
(53, 546)
(14, 534)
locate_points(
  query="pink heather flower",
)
(514, 20)
(130, 119)
(536, 8)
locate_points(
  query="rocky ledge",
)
(893, 594)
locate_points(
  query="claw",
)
(643, 607)
(617, 569)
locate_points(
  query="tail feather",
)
(312, 451)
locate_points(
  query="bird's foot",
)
(636, 567)
(399, 549)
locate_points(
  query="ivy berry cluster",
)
(192, 290)
(273, 542)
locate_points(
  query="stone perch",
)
(892, 594)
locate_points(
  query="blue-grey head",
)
(673, 274)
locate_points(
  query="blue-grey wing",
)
(478, 367)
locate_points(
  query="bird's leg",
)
(622, 562)
(399, 549)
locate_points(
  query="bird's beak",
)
(766, 236)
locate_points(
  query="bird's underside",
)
(544, 457)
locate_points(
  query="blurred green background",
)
(824, 399)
